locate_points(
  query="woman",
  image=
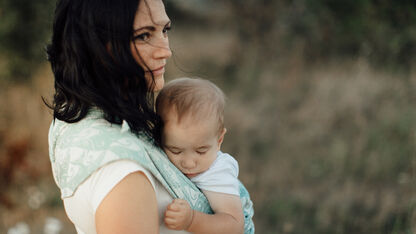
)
(108, 58)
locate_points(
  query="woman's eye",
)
(166, 30)
(142, 37)
(201, 152)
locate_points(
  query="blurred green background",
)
(320, 114)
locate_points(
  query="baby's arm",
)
(227, 218)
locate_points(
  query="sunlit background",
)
(320, 110)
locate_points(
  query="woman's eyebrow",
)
(150, 28)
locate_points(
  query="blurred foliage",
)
(340, 160)
(383, 31)
(321, 102)
(24, 29)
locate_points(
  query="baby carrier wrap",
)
(77, 150)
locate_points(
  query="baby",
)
(192, 111)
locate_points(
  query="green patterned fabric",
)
(77, 150)
(248, 210)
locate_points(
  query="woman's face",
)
(150, 45)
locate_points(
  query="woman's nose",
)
(162, 50)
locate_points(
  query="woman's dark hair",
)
(91, 58)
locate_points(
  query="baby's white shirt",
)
(221, 177)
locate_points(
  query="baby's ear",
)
(221, 138)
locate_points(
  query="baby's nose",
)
(188, 163)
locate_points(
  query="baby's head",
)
(192, 111)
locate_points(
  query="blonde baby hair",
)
(193, 97)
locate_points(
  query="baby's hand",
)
(178, 215)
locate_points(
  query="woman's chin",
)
(159, 83)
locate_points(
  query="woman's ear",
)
(221, 138)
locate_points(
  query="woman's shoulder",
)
(78, 149)
(94, 132)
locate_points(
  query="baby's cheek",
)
(176, 163)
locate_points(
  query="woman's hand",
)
(178, 215)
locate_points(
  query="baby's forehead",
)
(190, 116)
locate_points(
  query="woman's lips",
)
(158, 71)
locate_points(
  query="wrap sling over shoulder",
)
(76, 150)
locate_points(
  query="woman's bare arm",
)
(130, 207)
